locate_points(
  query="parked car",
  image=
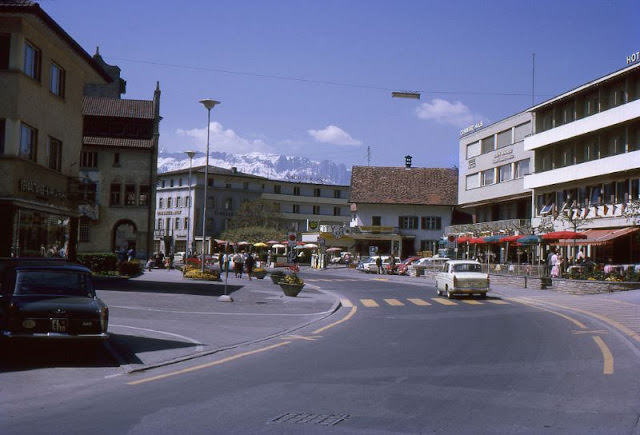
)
(462, 277)
(361, 263)
(50, 299)
(403, 266)
(372, 267)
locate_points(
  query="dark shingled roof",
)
(393, 185)
(118, 142)
(117, 108)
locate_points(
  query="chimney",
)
(407, 161)
(234, 169)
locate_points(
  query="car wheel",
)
(438, 291)
(449, 294)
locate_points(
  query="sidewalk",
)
(184, 319)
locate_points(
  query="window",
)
(504, 138)
(169, 202)
(473, 181)
(89, 159)
(186, 224)
(2, 123)
(5, 50)
(408, 222)
(504, 173)
(473, 149)
(28, 141)
(177, 224)
(376, 221)
(337, 193)
(178, 202)
(336, 211)
(591, 104)
(130, 194)
(162, 184)
(622, 191)
(160, 202)
(143, 195)
(114, 194)
(296, 190)
(488, 177)
(295, 208)
(56, 81)
(32, 60)
(277, 188)
(83, 229)
(171, 183)
(180, 181)
(276, 207)
(227, 185)
(521, 131)
(488, 144)
(54, 150)
(116, 159)
(245, 185)
(187, 201)
(316, 192)
(316, 209)
(88, 190)
(431, 222)
(429, 245)
(522, 168)
(228, 204)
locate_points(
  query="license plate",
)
(59, 325)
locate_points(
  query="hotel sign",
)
(40, 190)
(471, 128)
(633, 58)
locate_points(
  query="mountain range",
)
(271, 166)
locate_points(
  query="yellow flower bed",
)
(196, 273)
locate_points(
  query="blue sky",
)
(314, 78)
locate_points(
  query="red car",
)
(403, 267)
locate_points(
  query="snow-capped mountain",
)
(272, 166)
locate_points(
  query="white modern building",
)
(586, 146)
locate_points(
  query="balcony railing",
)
(522, 226)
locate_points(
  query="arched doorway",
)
(124, 236)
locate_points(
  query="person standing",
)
(379, 265)
(248, 264)
(237, 265)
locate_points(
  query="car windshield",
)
(53, 283)
(467, 267)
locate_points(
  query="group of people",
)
(159, 260)
(239, 262)
(557, 264)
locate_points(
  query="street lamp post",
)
(208, 104)
(189, 248)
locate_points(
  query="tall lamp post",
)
(189, 248)
(208, 104)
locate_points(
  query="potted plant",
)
(291, 284)
(276, 276)
(259, 272)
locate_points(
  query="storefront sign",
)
(633, 58)
(169, 213)
(471, 128)
(503, 155)
(28, 185)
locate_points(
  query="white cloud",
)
(333, 135)
(221, 139)
(445, 112)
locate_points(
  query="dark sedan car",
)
(49, 299)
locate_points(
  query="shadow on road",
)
(37, 355)
(128, 346)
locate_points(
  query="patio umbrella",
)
(334, 249)
(260, 245)
(278, 245)
(310, 246)
(272, 242)
(493, 239)
(531, 239)
(557, 235)
(243, 243)
(510, 239)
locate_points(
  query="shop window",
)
(28, 142)
(32, 60)
(54, 150)
(57, 79)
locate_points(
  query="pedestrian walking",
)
(248, 264)
(237, 265)
(379, 265)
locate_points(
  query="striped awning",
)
(599, 237)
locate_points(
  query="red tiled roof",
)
(117, 108)
(143, 144)
(393, 185)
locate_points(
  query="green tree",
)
(254, 221)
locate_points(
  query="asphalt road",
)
(393, 359)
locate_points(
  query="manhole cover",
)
(310, 418)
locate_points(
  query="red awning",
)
(560, 235)
(599, 237)
(464, 239)
(476, 241)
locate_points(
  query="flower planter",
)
(260, 274)
(277, 276)
(291, 289)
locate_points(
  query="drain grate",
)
(310, 418)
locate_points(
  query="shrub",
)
(99, 262)
(130, 268)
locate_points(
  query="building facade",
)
(401, 210)
(294, 205)
(586, 145)
(493, 164)
(118, 165)
(43, 74)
